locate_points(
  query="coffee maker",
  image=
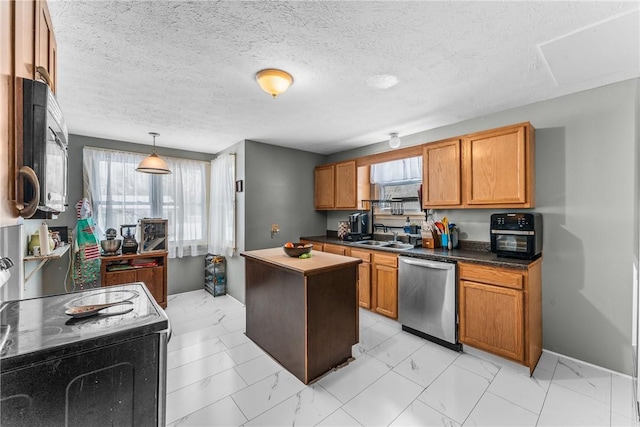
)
(359, 227)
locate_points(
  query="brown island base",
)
(303, 312)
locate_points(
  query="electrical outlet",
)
(275, 229)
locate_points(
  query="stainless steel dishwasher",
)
(427, 300)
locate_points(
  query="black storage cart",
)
(215, 275)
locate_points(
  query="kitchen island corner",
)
(303, 312)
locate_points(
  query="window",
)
(398, 179)
(119, 195)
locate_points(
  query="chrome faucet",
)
(395, 236)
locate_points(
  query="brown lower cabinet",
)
(501, 310)
(385, 284)
(377, 277)
(364, 277)
(155, 277)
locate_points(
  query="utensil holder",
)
(431, 243)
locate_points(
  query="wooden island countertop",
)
(303, 312)
(318, 263)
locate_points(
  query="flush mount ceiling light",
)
(273, 81)
(153, 163)
(394, 140)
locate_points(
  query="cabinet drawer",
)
(335, 249)
(385, 259)
(363, 255)
(496, 276)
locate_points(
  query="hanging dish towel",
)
(86, 272)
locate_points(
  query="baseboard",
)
(611, 371)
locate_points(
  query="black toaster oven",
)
(516, 235)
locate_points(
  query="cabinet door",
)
(364, 187)
(498, 168)
(346, 185)
(386, 289)
(441, 174)
(45, 46)
(491, 319)
(153, 278)
(324, 187)
(119, 277)
(364, 277)
(335, 249)
(364, 285)
(24, 32)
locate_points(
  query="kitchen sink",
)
(387, 244)
(396, 245)
(371, 243)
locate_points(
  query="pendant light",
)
(394, 140)
(273, 81)
(153, 163)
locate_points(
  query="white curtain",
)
(120, 195)
(184, 204)
(222, 219)
(397, 171)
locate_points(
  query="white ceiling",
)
(187, 69)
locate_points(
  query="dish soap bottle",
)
(407, 226)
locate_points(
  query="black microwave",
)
(45, 145)
(516, 235)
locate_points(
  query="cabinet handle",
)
(29, 174)
(45, 75)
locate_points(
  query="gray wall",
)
(183, 274)
(587, 191)
(278, 189)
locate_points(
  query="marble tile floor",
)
(218, 377)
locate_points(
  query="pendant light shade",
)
(153, 163)
(394, 140)
(273, 81)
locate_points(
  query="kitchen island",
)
(303, 312)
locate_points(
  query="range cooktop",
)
(36, 326)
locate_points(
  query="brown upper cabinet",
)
(341, 186)
(488, 169)
(441, 174)
(498, 167)
(46, 48)
(325, 188)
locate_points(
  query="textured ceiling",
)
(187, 69)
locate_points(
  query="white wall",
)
(586, 161)
(235, 263)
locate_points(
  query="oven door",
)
(54, 183)
(514, 243)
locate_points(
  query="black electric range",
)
(59, 370)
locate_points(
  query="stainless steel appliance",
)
(359, 227)
(427, 300)
(111, 246)
(45, 145)
(155, 234)
(516, 235)
(107, 369)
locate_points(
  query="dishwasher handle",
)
(429, 264)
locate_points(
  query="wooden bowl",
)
(295, 251)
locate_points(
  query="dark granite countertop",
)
(474, 256)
